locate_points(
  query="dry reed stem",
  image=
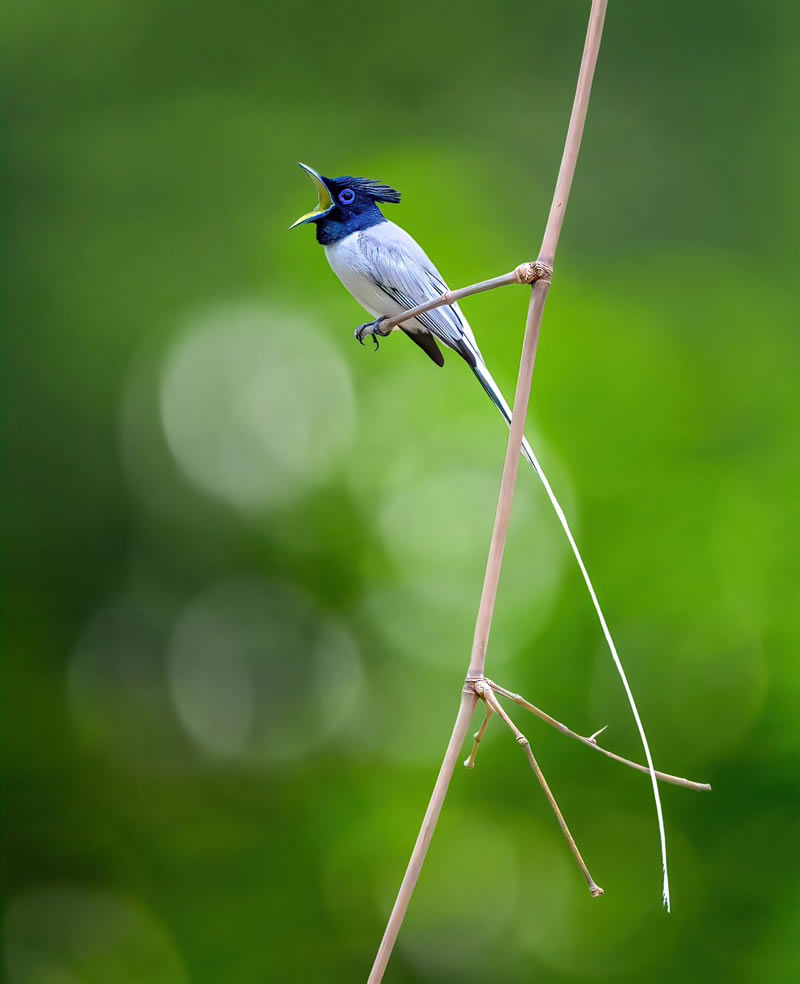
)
(510, 467)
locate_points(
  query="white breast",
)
(349, 264)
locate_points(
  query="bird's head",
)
(345, 204)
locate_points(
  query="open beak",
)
(324, 201)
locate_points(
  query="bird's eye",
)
(347, 197)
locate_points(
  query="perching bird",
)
(388, 272)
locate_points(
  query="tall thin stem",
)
(510, 468)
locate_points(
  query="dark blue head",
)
(345, 205)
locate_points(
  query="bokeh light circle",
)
(117, 686)
(623, 933)
(256, 404)
(77, 935)
(258, 671)
(472, 881)
(436, 531)
(464, 904)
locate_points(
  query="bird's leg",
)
(371, 329)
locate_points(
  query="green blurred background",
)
(243, 555)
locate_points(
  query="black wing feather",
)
(428, 345)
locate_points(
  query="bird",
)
(388, 272)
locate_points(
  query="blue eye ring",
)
(347, 197)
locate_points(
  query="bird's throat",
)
(337, 225)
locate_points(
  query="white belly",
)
(348, 263)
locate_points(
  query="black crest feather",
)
(376, 190)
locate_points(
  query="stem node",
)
(529, 273)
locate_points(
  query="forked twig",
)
(486, 694)
(591, 742)
(477, 738)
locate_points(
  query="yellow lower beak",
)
(324, 201)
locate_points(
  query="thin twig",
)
(485, 692)
(592, 743)
(525, 273)
(477, 738)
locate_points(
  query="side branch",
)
(525, 273)
(592, 742)
(477, 738)
(484, 691)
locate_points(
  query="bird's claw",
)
(371, 329)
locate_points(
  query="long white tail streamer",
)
(493, 390)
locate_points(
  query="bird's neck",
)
(338, 225)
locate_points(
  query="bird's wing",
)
(400, 268)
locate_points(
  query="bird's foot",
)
(371, 329)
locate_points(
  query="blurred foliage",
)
(243, 555)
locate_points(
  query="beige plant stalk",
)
(477, 686)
